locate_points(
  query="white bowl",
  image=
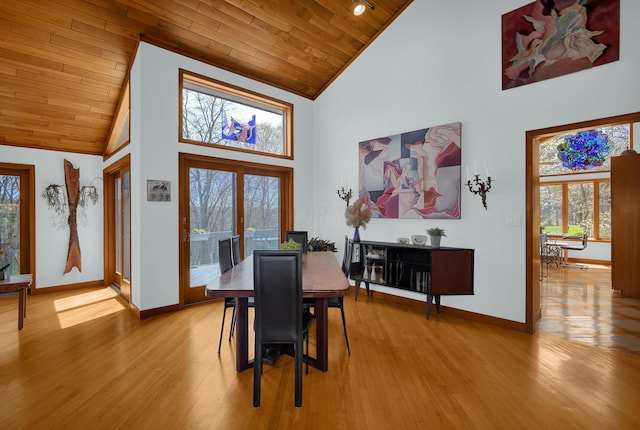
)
(419, 239)
(403, 240)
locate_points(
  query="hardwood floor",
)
(83, 361)
(579, 304)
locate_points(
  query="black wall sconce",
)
(345, 194)
(478, 186)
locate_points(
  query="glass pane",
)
(580, 209)
(580, 150)
(213, 214)
(118, 219)
(261, 213)
(604, 204)
(126, 221)
(551, 208)
(10, 223)
(217, 118)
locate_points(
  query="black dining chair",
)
(279, 316)
(225, 260)
(235, 248)
(301, 237)
(338, 302)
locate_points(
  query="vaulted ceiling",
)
(64, 63)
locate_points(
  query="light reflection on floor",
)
(580, 305)
(80, 308)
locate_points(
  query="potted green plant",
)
(435, 234)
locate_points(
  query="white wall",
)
(154, 155)
(440, 62)
(53, 239)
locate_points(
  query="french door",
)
(117, 215)
(222, 198)
(17, 251)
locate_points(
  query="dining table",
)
(322, 278)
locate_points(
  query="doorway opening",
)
(221, 198)
(117, 221)
(534, 139)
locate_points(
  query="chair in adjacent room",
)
(550, 253)
(279, 313)
(301, 237)
(577, 247)
(225, 260)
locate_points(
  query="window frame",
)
(236, 93)
(26, 172)
(595, 236)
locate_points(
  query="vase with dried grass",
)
(357, 215)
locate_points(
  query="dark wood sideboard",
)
(422, 269)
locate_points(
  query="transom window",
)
(575, 196)
(213, 113)
(583, 151)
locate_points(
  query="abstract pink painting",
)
(550, 38)
(413, 175)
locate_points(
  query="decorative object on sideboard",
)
(357, 215)
(478, 186)
(435, 234)
(419, 239)
(403, 240)
(74, 198)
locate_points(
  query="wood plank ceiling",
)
(64, 63)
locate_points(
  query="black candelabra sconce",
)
(478, 186)
(345, 194)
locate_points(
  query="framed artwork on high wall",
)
(547, 39)
(414, 175)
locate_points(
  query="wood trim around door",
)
(532, 204)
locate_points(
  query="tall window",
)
(16, 218)
(10, 223)
(219, 114)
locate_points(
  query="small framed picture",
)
(158, 190)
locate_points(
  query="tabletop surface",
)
(321, 277)
(15, 283)
(24, 278)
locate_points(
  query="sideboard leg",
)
(429, 300)
(357, 287)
